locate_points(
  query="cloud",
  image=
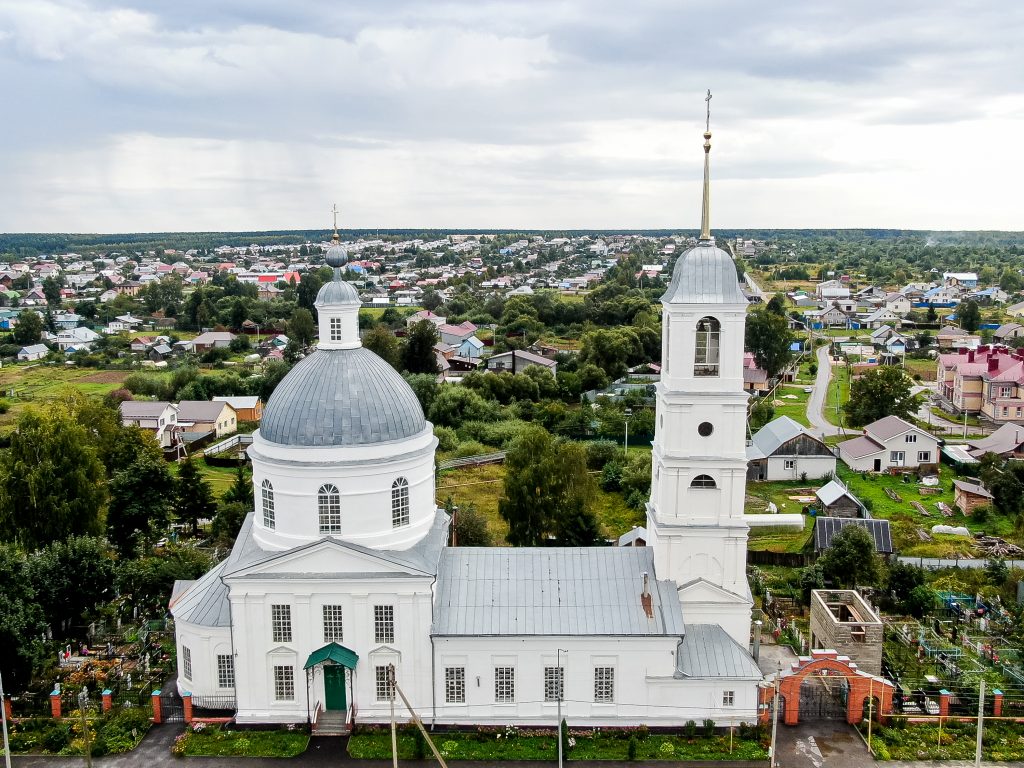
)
(135, 114)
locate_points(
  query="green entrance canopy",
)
(335, 653)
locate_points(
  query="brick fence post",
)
(55, 704)
(8, 710)
(943, 703)
(108, 701)
(997, 703)
(156, 707)
(186, 701)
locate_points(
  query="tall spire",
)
(334, 210)
(705, 213)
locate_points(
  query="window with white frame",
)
(328, 501)
(911, 438)
(335, 329)
(455, 685)
(284, 683)
(924, 456)
(554, 683)
(703, 481)
(790, 464)
(281, 623)
(384, 623)
(225, 671)
(728, 698)
(333, 627)
(385, 691)
(897, 458)
(604, 684)
(504, 685)
(400, 502)
(267, 491)
(1005, 391)
(186, 661)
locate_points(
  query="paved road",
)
(816, 402)
(819, 744)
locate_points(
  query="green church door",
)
(334, 687)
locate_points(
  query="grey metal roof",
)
(341, 397)
(707, 651)
(976, 488)
(142, 409)
(488, 591)
(704, 275)
(859, 447)
(777, 433)
(205, 603)
(200, 410)
(1005, 439)
(825, 528)
(888, 427)
(337, 292)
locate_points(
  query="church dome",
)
(704, 274)
(341, 397)
(337, 292)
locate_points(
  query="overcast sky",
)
(125, 115)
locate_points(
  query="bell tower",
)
(699, 465)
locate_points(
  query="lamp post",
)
(628, 413)
(3, 718)
(83, 702)
(561, 683)
(775, 715)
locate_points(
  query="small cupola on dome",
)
(337, 304)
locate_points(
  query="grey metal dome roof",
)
(337, 292)
(704, 274)
(341, 397)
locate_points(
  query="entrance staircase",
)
(331, 723)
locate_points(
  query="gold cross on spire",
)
(707, 125)
(334, 210)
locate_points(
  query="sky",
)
(186, 115)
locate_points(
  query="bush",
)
(631, 748)
(709, 727)
(57, 738)
(497, 434)
(611, 476)
(4, 406)
(600, 452)
(447, 439)
(470, 448)
(690, 729)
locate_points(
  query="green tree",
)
(469, 525)
(228, 521)
(241, 488)
(769, 338)
(382, 342)
(425, 387)
(194, 497)
(301, 327)
(52, 482)
(931, 315)
(997, 572)
(881, 392)
(71, 577)
(29, 328)
(21, 620)
(455, 405)
(850, 561)
(777, 304)
(147, 581)
(546, 486)
(969, 316)
(761, 413)
(431, 299)
(51, 290)
(1010, 280)
(418, 355)
(140, 502)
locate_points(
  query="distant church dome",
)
(704, 274)
(341, 397)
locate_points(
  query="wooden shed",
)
(969, 494)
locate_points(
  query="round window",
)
(705, 429)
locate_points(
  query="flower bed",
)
(108, 735)
(1002, 742)
(540, 744)
(213, 740)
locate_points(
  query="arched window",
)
(705, 362)
(267, 491)
(400, 502)
(703, 481)
(329, 505)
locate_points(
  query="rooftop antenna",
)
(705, 214)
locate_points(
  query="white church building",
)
(344, 568)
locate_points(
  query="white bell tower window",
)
(335, 329)
(706, 355)
(329, 508)
(267, 492)
(703, 481)
(400, 502)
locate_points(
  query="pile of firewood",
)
(993, 546)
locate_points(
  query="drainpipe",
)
(433, 661)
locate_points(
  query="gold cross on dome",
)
(334, 210)
(707, 126)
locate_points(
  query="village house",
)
(247, 408)
(456, 334)
(158, 417)
(207, 416)
(832, 289)
(898, 303)
(204, 342)
(951, 337)
(76, 339)
(890, 443)
(1006, 442)
(988, 381)
(33, 352)
(1008, 331)
(784, 450)
(755, 379)
(519, 360)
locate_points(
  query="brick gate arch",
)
(861, 686)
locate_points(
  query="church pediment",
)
(328, 558)
(702, 591)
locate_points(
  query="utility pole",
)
(83, 702)
(628, 413)
(561, 679)
(391, 698)
(775, 715)
(3, 718)
(415, 718)
(981, 719)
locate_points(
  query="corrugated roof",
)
(832, 491)
(1005, 439)
(704, 275)
(142, 409)
(205, 603)
(707, 651)
(976, 488)
(200, 410)
(890, 426)
(825, 528)
(487, 591)
(860, 447)
(776, 433)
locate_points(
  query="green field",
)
(791, 400)
(838, 390)
(29, 383)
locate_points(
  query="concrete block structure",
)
(842, 620)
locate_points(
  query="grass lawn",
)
(838, 388)
(921, 367)
(1001, 742)
(38, 382)
(483, 486)
(216, 742)
(778, 539)
(791, 401)
(596, 746)
(219, 478)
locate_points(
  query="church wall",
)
(258, 653)
(204, 645)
